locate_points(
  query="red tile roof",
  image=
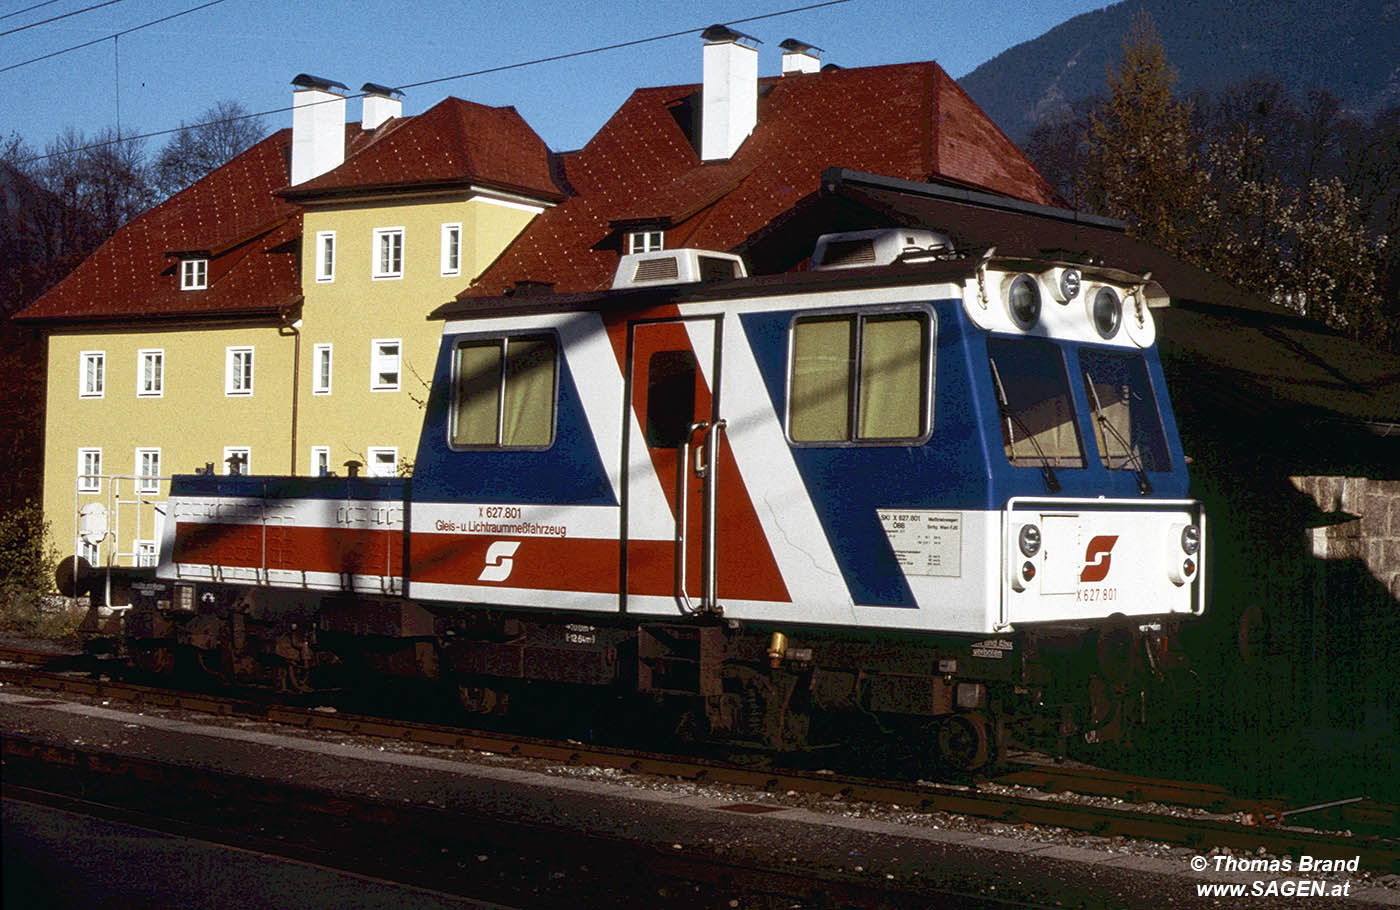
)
(454, 141)
(231, 212)
(246, 219)
(910, 121)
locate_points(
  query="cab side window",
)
(860, 378)
(504, 392)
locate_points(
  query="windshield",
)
(1037, 420)
(1127, 425)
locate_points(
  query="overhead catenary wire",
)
(114, 35)
(20, 12)
(76, 12)
(481, 72)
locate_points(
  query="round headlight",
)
(1023, 300)
(1069, 284)
(1028, 540)
(1106, 311)
(1190, 539)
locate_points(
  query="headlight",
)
(1028, 540)
(1190, 539)
(1023, 301)
(1069, 284)
(1106, 311)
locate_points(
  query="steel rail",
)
(1195, 832)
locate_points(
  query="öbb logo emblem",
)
(1097, 558)
(499, 561)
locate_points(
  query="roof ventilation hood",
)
(677, 267)
(885, 246)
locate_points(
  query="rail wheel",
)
(963, 741)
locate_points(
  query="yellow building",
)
(270, 325)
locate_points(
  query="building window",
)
(503, 391)
(860, 378)
(238, 371)
(146, 552)
(194, 274)
(237, 460)
(383, 461)
(384, 365)
(320, 461)
(388, 252)
(452, 249)
(321, 370)
(645, 241)
(89, 470)
(148, 470)
(150, 374)
(89, 551)
(325, 255)
(92, 374)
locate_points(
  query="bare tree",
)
(224, 130)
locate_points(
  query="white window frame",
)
(99, 388)
(317, 353)
(320, 454)
(372, 455)
(147, 481)
(233, 376)
(146, 552)
(376, 359)
(325, 265)
(452, 248)
(245, 451)
(90, 475)
(646, 241)
(384, 236)
(142, 356)
(194, 274)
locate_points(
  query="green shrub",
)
(26, 569)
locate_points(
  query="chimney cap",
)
(798, 47)
(717, 33)
(374, 88)
(305, 80)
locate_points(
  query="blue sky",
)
(249, 50)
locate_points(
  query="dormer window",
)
(645, 241)
(194, 274)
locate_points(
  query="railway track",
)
(1194, 831)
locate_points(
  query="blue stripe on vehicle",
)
(847, 484)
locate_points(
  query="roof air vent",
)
(677, 267)
(886, 246)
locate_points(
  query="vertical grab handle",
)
(709, 594)
(683, 517)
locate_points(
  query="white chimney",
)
(729, 97)
(318, 127)
(799, 57)
(380, 103)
